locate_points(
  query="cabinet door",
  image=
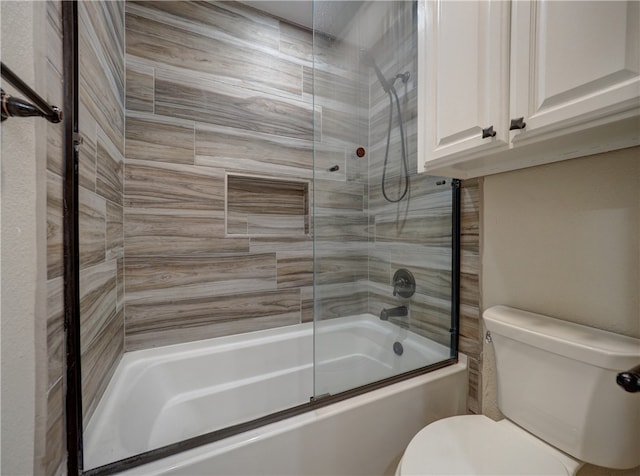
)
(465, 77)
(573, 64)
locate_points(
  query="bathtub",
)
(164, 395)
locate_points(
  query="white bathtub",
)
(164, 395)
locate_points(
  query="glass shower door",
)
(382, 233)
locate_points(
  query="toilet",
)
(557, 389)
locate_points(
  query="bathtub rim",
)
(273, 418)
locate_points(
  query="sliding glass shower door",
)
(253, 233)
(383, 251)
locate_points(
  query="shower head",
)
(367, 58)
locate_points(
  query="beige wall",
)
(564, 240)
(24, 362)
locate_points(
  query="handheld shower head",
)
(367, 58)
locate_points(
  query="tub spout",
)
(400, 311)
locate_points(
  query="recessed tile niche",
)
(266, 206)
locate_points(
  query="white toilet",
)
(557, 388)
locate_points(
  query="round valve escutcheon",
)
(404, 284)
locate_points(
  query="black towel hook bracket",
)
(16, 107)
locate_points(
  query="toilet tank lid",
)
(586, 344)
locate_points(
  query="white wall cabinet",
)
(570, 71)
(467, 77)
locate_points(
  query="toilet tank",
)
(557, 380)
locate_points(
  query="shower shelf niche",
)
(266, 206)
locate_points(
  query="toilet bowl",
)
(477, 445)
(557, 388)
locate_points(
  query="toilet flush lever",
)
(630, 380)
(487, 338)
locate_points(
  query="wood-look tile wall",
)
(341, 224)
(470, 329)
(217, 88)
(101, 160)
(215, 91)
(55, 447)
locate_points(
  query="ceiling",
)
(332, 16)
(298, 12)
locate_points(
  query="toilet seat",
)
(477, 445)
